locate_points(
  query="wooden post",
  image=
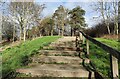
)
(76, 40)
(83, 39)
(80, 36)
(87, 44)
(114, 67)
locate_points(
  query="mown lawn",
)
(16, 57)
(100, 58)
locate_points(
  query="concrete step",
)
(62, 48)
(66, 39)
(53, 70)
(57, 59)
(63, 44)
(58, 53)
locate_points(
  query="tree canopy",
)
(77, 19)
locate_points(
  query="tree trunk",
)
(115, 4)
(20, 33)
(117, 28)
(71, 31)
(24, 33)
(62, 34)
(27, 34)
(51, 32)
(103, 15)
(108, 28)
(40, 33)
(13, 33)
(25, 24)
(58, 32)
(62, 30)
(48, 33)
(116, 24)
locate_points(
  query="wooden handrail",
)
(114, 54)
(105, 47)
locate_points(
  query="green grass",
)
(112, 43)
(17, 56)
(100, 58)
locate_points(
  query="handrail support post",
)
(87, 44)
(76, 41)
(83, 38)
(114, 67)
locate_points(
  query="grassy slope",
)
(100, 57)
(109, 42)
(17, 56)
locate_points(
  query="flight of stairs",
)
(59, 59)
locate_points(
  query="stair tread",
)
(58, 59)
(63, 48)
(56, 70)
(58, 53)
(57, 62)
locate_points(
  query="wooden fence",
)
(114, 54)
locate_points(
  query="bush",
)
(99, 30)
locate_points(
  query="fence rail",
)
(114, 54)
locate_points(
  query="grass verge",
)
(16, 57)
(100, 58)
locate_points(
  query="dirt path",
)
(59, 59)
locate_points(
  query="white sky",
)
(52, 6)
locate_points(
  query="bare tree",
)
(24, 14)
(104, 9)
(115, 15)
(109, 13)
(1, 14)
(105, 16)
(7, 29)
